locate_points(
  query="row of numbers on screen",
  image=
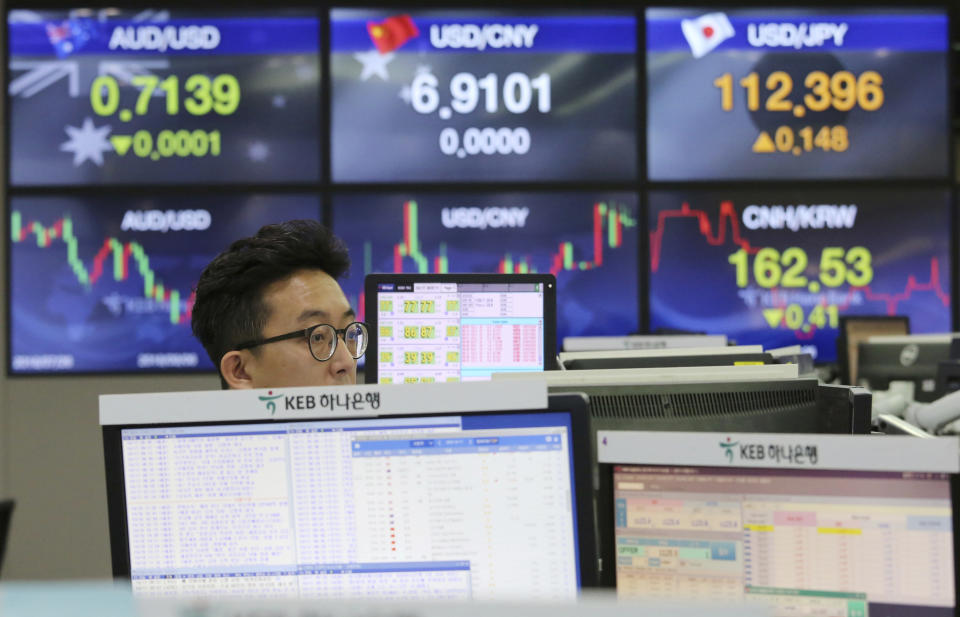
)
(217, 96)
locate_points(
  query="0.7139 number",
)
(220, 94)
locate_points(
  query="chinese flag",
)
(392, 32)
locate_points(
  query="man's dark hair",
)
(229, 307)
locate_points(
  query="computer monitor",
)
(812, 524)
(914, 359)
(642, 341)
(800, 405)
(769, 398)
(458, 327)
(857, 328)
(652, 358)
(314, 503)
(6, 513)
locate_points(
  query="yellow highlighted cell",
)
(840, 530)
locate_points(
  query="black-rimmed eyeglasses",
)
(323, 339)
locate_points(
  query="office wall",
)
(53, 466)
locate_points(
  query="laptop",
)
(805, 524)
(472, 497)
(438, 328)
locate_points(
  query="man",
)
(270, 313)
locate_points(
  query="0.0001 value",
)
(181, 143)
(484, 141)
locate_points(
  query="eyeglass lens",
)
(323, 340)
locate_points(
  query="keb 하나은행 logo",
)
(269, 400)
(728, 447)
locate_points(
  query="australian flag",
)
(70, 36)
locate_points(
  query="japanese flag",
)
(704, 33)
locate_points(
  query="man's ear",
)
(234, 370)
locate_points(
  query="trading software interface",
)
(443, 507)
(807, 543)
(439, 332)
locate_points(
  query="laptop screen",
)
(448, 328)
(448, 506)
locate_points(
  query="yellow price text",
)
(428, 306)
(411, 357)
(453, 306)
(411, 380)
(386, 306)
(772, 268)
(410, 306)
(410, 331)
(428, 332)
(428, 357)
(794, 317)
(220, 95)
(453, 331)
(182, 143)
(386, 357)
(453, 356)
(806, 139)
(842, 91)
(386, 331)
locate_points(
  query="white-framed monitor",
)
(811, 524)
(486, 500)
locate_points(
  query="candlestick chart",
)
(588, 241)
(107, 284)
(781, 268)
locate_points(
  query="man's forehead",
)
(308, 295)
(313, 314)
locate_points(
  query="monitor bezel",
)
(843, 342)
(607, 575)
(549, 287)
(583, 502)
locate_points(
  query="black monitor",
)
(351, 504)
(800, 405)
(615, 360)
(857, 328)
(6, 513)
(915, 359)
(459, 327)
(806, 524)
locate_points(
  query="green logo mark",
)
(728, 448)
(271, 406)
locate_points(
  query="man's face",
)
(304, 299)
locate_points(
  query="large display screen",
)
(482, 95)
(105, 284)
(163, 97)
(797, 94)
(780, 267)
(588, 241)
